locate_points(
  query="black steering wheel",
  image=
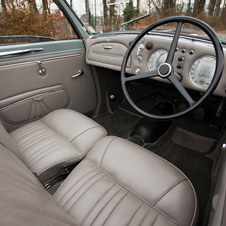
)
(166, 70)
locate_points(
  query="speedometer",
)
(156, 59)
(202, 71)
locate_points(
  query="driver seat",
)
(118, 183)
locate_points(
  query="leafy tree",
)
(45, 6)
(198, 7)
(138, 6)
(33, 3)
(129, 12)
(21, 18)
(211, 7)
(3, 4)
(111, 14)
(105, 10)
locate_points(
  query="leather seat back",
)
(7, 141)
(24, 201)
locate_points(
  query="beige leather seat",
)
(118, 183)
(60, 139)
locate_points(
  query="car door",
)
(41, 71)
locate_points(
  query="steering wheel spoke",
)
(142, 76)
(172, 78)
(173, 46)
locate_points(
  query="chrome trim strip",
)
(32, 62)
(21, 51)
(105, 54)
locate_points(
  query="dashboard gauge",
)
(156, 59)
(202, 71)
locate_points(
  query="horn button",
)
(164, 70)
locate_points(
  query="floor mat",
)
(118, 124)
(193, 141)
(196, 166)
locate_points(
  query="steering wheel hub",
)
(164, 70)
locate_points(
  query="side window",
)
(25, 21)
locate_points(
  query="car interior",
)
(119, 128)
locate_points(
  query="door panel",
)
(33, 104)
(25, 95)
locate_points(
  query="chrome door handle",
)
(80, 72)
(21, 51)
(107, 47)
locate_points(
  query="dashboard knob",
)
(191, 52)
(149, 46)
(180, 58)
(179, 66)
(137, 71)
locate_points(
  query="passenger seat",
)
(58, 140)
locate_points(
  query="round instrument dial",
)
(202, 71)
(156, 59)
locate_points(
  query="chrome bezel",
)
(197, 61)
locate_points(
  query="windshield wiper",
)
(133, 20)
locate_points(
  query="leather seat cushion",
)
(59, 139)
(120, 183)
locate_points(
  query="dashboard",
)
(194, 60)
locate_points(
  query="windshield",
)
(101, 16)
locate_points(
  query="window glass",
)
(32, 21)
(108, 15)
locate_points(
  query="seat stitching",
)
(47, 152)
(27, 127)
(65, 160)
(106, 204)
(105, 133)
(93, 144)
(106, 150)
(135, 213)
(43, 149)
(61, 136)
(42, 158)
(168, 190)
(77, 113)
(35, 139)
(116, 206)
(77, 182)
(133, 193)
(39, 131)
(85, 191)
(18, 134)
(155, 220)
(146, 215)
(84, 132)
(99, 201)
(49, 116)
